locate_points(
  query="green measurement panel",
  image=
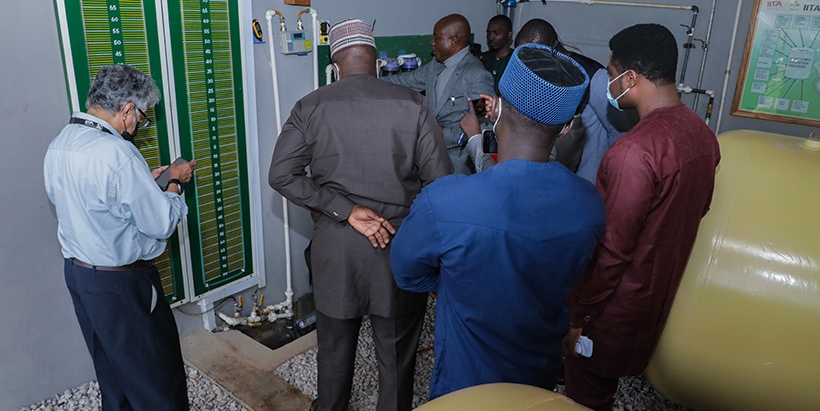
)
(105, 32)
(208, 76)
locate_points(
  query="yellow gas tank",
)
(502, 397)
(744, 330)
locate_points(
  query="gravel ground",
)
(634, 393)
(203, 395)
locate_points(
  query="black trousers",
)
(132, 337)
(396, 344)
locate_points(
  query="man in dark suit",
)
(449, 81)
(371, 147)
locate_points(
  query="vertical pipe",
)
(728, 70)
(688, 46)
(508, 7)
(314, 19)
(706, 45)
(274, 75)
(285, 212)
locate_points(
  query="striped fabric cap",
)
(350, 32)
(543, 84)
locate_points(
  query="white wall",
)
(393, 18)
(590, 26)
(41, 348)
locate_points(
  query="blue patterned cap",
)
(543, 84)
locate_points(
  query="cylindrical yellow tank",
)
(744, 330)
(502, 397)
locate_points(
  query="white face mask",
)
(499, 116)
(614, 101)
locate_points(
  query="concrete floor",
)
(245, 368)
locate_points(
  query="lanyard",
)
(89, 123)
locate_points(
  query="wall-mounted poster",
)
(780, 73)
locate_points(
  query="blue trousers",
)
(132, 337)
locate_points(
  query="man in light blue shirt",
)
(113, 219)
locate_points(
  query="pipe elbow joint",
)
(271, 12)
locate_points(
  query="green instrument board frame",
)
(209, 107)
(205, 47)
(779, 76)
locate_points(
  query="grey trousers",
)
(396, 344)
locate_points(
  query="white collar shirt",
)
(449, 67)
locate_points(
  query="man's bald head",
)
(537, 31)
(451, 34)
(457, 26)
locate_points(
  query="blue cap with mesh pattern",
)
(543, 84)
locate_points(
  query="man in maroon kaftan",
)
(657, 182)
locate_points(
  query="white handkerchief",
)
(584, 347)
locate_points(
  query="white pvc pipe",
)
(285, 214)
(274, 76)
(728, 71)
(229, 320)
(272, 317)
(253, 318)
(627, 3)
(328, 74)
(314, 19)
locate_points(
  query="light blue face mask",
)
(614, 101)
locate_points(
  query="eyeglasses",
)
(145, 122)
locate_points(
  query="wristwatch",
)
(176, 181)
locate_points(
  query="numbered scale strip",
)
(206, 31)
(102, 33)
(207, 86)
(115, 33)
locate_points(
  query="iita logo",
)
(794, 5)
